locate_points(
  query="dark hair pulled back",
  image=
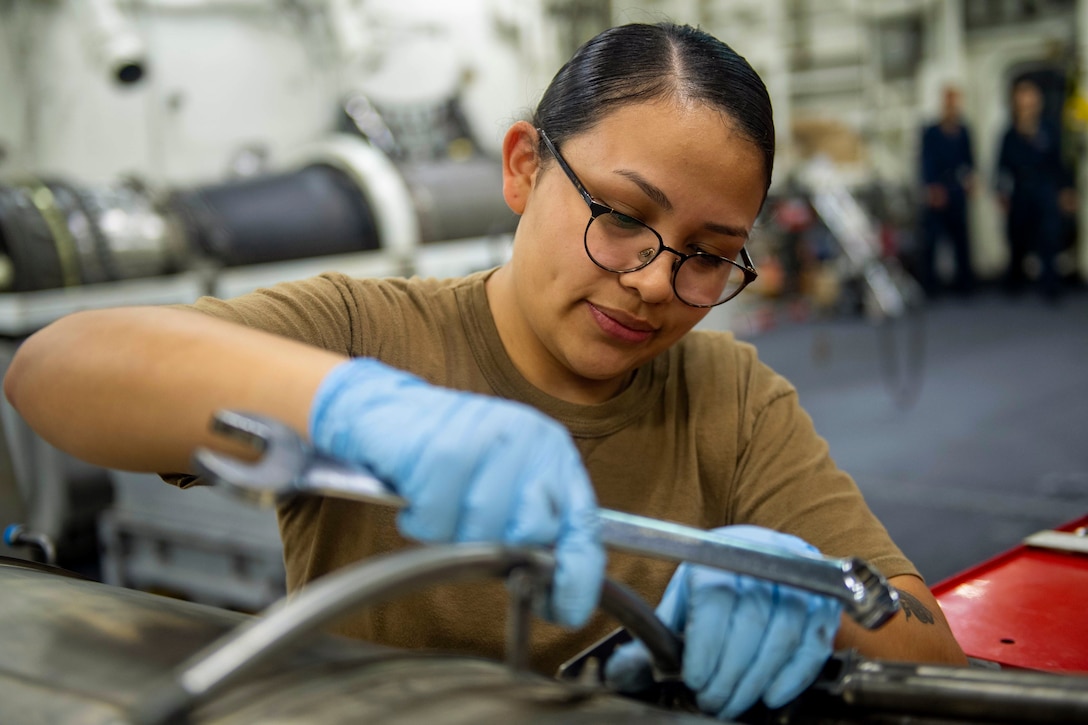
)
(639, 62)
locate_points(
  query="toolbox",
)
(1025, 607)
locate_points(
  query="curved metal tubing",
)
(368, 583)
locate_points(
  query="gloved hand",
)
(472, 468)
(745, 638)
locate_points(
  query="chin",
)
(605, 370)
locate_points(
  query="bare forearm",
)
(134, 388)
(918, 633)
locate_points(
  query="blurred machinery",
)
(890, 296)
(833, 250)
(346, 205)
(368, 187)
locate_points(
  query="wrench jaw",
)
(220, 471)
(264, 481)
(875, 601)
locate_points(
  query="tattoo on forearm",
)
(914, 608)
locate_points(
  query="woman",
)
(652, 141)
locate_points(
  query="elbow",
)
(27, 380)
(20, 368)
(11, 380)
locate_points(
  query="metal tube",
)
(867, 687)
(371, 582)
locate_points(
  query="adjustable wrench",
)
(288, 465)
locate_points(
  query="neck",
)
(532, 358)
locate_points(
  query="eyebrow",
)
(658, 197)
(655, 194)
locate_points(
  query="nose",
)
(652, 283)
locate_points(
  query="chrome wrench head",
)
(283, 460)
(875, 600)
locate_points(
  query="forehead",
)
(1027, 89)
(696, 154)
(678, 127)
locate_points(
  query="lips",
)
(620, 325)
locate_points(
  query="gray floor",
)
(993, 447)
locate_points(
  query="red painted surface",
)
(1025, 608)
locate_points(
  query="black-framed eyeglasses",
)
(620, 243)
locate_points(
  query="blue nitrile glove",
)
(744, 638)
(472, 468)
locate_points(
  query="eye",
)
(709, 261)
(713, 250)
(622, 221)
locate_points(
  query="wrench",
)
(288, 466)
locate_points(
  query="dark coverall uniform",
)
(947, 161)
(1031, 176)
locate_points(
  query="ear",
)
(520, 163)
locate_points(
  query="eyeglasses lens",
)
(620, 243)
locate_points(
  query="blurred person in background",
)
(948, 177)
(1033, 187)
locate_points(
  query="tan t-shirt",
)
(704, 435)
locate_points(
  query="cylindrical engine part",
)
(55, 234)
(28, 244)
(458, 199)
(135, 238)
(77, 651)
(340, 197)
(89, 243)
(315, 211)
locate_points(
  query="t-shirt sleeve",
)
(319, 311)
(786, 480)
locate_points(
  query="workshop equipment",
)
(19, 535)
(1024, 607)
(78, 651)
(852, 688)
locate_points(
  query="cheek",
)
(551, 248)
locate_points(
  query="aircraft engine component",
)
(341, 196)
(311, 212)
(458, 198)
(55, 234)
(77, 651)
(113, 41)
